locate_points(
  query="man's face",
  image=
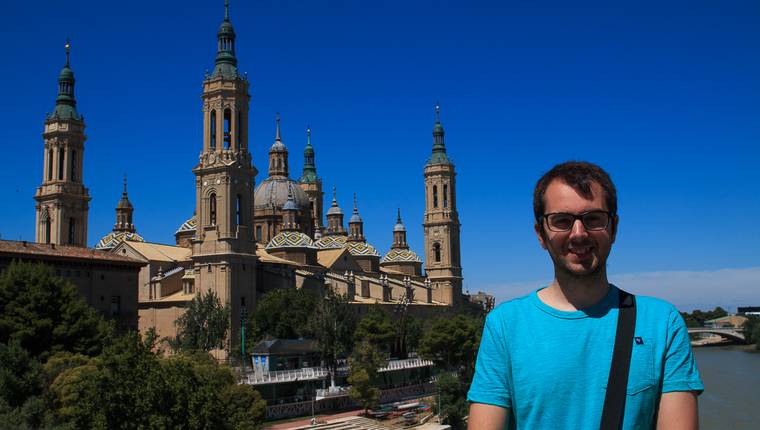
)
(577, 252)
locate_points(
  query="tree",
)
(452, 343)
(285, 313)
(203, 326)
(46, 314)
(365, 362)
(333, 325)
(376, 328)
(245, 409)
(452, 400)
(130, 385)
(751, 329)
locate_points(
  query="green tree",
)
(376, 328)
(245, 409)
(46, 314)
(285, 313)
(21, 387)
(333, 324)
(365, 361)
(452, 400)
(203, 326)
(415, 329)
(130, 386)
(751, 329)
(452, 343)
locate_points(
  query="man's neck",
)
(571, 293)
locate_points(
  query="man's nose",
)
(578, 229)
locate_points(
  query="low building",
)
(728, 321)
(748, 310)
(107, 281)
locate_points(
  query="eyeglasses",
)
(591, 220)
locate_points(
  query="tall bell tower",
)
(62, 199)
(223, 253)
(441, 224)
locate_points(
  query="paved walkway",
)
(306, 422)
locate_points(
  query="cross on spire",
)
(68, 50)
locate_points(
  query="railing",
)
(304, 374)
(323, 393)
(314, 373)
(409, 363)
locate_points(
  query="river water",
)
(731, 399)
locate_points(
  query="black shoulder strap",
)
(614, 401)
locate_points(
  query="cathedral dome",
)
(290, 239)
(401, 256)
(274, 192)
(361, 248)
(188, 225)
(331, 242)
(114, 238)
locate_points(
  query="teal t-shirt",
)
(550, 367)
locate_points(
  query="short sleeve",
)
(680, 370)
(491, 383)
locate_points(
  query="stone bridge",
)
(734, 334)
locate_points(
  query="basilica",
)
(247, 237)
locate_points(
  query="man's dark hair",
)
(579, 175)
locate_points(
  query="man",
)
(544, 359)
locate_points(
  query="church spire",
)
(278, 153)
(65, 103)
(356, 225)
(335, 217)
(399, 233)
(226, 62)
(124, 212)
(309, 167)
(439, 148)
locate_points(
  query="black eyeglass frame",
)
(545, 217)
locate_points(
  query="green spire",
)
(226, 62)
(439, 148)
(65, 103)
(309, 167)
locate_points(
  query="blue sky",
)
(664, 95)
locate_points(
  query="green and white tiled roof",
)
(112, 239)
(290, 239)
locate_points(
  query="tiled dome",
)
(361, 248)
(114, 238)
(401, 256)
(290, 239)
(331, 242)
(188, 225)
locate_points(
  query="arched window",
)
(45, 216)
(73, 165)
(72, 231)
(237, 130)
(227, 128)
(435, 196)
(445, 195)
(212, 209)
(60, 163)
(238, 206)
(437, 252)
(212, 131)
(50, 165)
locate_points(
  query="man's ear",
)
(613, 228)
(538, 227)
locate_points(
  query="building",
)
(748, 310)
(246, 238)
(105, 280)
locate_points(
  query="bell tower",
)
(223, 253)
(441, 223)
(312, 185)
(62, 199)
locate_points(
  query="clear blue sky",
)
(664, 95)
